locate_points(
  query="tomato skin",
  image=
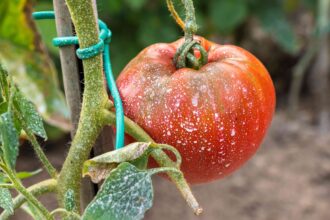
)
(216, 116)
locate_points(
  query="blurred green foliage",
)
(22, 54)
(138, 23)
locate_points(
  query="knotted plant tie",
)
(85, 53)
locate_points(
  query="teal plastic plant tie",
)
(92, 51)
(85, 53)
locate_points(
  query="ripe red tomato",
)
(216, 116)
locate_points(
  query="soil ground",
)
(288, 179)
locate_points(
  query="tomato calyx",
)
(185, 55)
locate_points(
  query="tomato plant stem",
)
(190, 22)
(41, 188)
(94, 100)
(64, 212)
(7, 186)
(41, 155)
(28, 195)
(185, 57)
(37, 148)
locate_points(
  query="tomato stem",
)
(21, 189)
(184, 56)
(41, 188)
(95, 99)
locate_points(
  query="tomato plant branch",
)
(7, 186)
(163, 170)
(162, 159)
(37, 148)
(64, 212)
(94, 100)
(29, 196)
(41, 155)
(190, 21)
(41, 188)
(184, 56)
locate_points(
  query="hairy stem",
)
(21, 189)
(41, 155)
(36, 147)
(7, 185)
(94, 100)
(64, 212)
(46, 186)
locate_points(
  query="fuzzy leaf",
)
(99, 167)
(9, 137)
(30, 115)
(126, 194)
(4, 85)
(6, 201)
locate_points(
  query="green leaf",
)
(35, 75)
(126, 195)
(274, 21)
(4, 85)
(3, 107)
(99, 167)
(24, 174)
(3, 9)
(6, 201)
(24, 55)
(9, 137)
(16, 15)
(136, 4)
(30, 115)
(228, 14)
(69, 200)
(21, 175)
